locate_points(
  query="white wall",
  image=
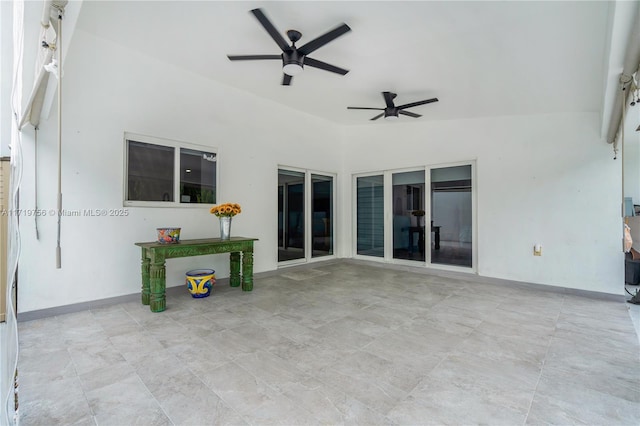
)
(108, 90)
(540, 179)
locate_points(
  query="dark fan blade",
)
(323, 39)
(412, 104)
(273, 32)
(410, 114)
(388, 98)
(286, 79)
(377, 116)
(324, 66)
(252, 57)
(378, 109)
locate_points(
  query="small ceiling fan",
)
(392, 111)
(295, 58)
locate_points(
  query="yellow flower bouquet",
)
(226, 210)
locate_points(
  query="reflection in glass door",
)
(451, 215)
(370, 215)
(408, 216)
(290, 215)
(322, 215)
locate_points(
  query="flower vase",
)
(225, 227)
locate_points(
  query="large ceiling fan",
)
(392, 111)
(295, 58)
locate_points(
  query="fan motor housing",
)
(391, 112)
(293, 58)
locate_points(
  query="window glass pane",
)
(451, 216)
(150, 172)
(370, 216)
(290, 215)
(322, 216)
(408, 216)
(197, 176)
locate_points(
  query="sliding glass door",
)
(305, 215)
(322, 215)
(452, 215)
(370, 215)
(408, 215)
(398, 220)
(290, 215)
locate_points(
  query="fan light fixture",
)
(391, 116)
(292, 69)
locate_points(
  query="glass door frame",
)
(308, 217)
(354, 214)
(388, 217)
(474, 216)
(427, 205)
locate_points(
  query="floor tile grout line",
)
(149, 390)
(160, 405)
(231, 407)
(442, 360)
(84, 392)
(257, 379)
(544, 361)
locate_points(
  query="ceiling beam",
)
(631, 62)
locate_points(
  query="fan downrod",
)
(294, 35)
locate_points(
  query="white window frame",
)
(128, 136)
(388, 216)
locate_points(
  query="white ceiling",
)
(479, 58)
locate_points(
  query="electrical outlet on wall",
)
(537, 250)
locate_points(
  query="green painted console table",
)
(154, 255)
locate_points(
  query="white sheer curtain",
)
(10, 350)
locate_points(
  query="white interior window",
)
(161, 172)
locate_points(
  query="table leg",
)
(234, 274)
(145, 279)
(158, 300)
(247, 270)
